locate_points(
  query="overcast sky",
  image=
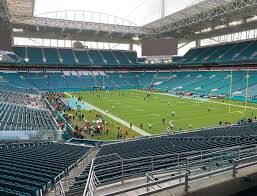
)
(137, 11)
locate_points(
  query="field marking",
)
(239, 112)
(123, 122)
(140, 110)
(204, 100)
(153, 114)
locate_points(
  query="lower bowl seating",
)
(156, 153)
(32, 169)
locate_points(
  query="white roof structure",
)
(202, 20)
(21, 7)
(187, 12)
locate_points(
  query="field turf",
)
(133, 106)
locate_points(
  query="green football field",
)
(133, 106)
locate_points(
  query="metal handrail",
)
(151, 178)
(224, 150)
(146, 184)
(71, 169)
(91, 171)
(211, 173)
(182, 161)
(170, 156)
(232, 155)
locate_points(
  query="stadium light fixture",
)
(135, 38)
(17, 30)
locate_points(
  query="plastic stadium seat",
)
(170, 146)
(27, 169)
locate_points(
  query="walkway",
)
(123, 122)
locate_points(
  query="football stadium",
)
(134, 97)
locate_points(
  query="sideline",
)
(204, 100)
(134, 128)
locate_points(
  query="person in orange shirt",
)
(75, 132)
(126, 131)
(107, 130)
(133, 134)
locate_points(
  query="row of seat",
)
(216, 83)
(226, 131)
(154, 153)
(224, 53)
(16, 97)
(200, 82)
(33, 169)
(17, 117)
(17, 89)
(66, 56)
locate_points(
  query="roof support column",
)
(197, 43)
(131, 46)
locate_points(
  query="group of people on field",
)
(92, 127)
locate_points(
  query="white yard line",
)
(204, 100)
(123, 122)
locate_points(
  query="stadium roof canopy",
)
(188, 12)
(204, 19)
(208, 18)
